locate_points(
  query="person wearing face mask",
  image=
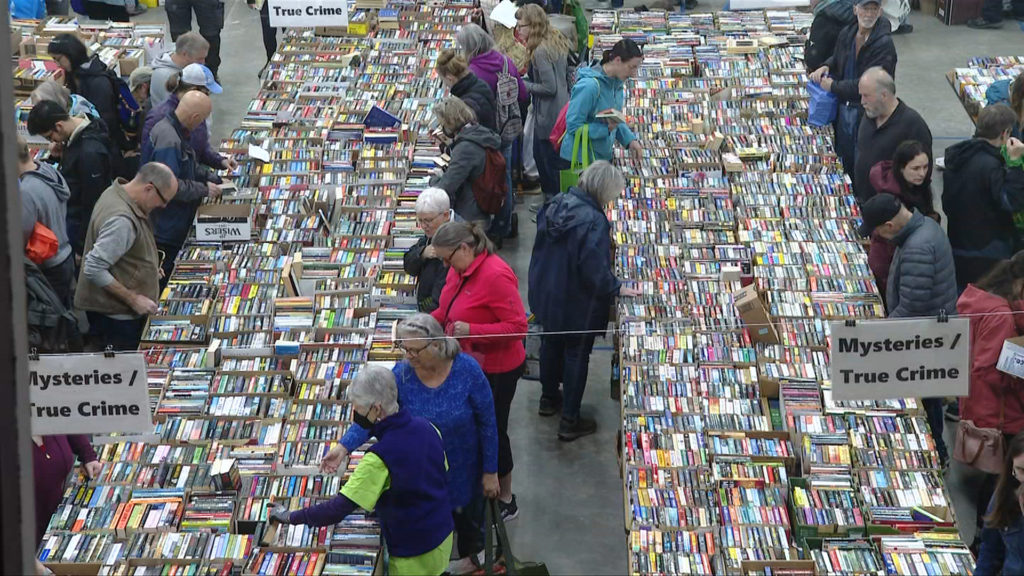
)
(994, 399)
(887, 122)
(451, 66)
(905, 177)
(468, 151)
(169, 143)
(597, 89)
(439, 382)
(860, 46)
(432, 210)
(981, 192)
(402, 477)
(1002, 537)
(480, 305)
(922, 282)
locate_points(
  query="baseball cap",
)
(200, 75)
(877, 211)
(862, 2)
(140, 75)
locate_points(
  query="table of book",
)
(735, 459)
(970, 82)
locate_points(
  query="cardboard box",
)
(755, 315)
(956, 12)
(1011, 358)
(224, 223)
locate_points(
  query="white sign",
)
(89, 394)
(223, 223)
(884, 359)
(308, 13)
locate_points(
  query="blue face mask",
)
(361, 420)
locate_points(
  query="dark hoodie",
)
(88, 164)
(979, 196)
(95, 83)
(878, 50)
(571, 284)
(467, 164)
(44, 199)
(478, 96)
(828, 22)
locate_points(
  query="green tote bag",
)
(581, 158)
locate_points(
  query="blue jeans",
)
(933, 410)
(549, 165)
(501, 226)
(992, 10)
(119, 334)
(565, 359)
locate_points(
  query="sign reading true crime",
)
(89, 394)
(308, 13)
(885, 359)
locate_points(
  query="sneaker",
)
(904, 29)
(550, 406)
(982, 24)
(509, 510)
(462, 566)
(569, 431)
(952, 412)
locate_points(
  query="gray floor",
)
(570, 495)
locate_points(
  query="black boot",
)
(569, 430)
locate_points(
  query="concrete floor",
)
(570, 495)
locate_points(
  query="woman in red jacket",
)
(480, 305)
(995, 399)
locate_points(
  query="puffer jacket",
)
(478, 96)
(922, 281)
(571, 280)
(467, 164)
(880, 254)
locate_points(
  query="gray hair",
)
(455, 234)
(190, 44)
(52, 91)
(375, 385)
(603, 182)
(474, 41)
(453, 114)
(424, 326)
(433, 201)
(882, 79)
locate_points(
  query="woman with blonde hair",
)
(453, 69)
(549, 89)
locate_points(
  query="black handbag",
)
(494, 524)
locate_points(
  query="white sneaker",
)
(462, 566)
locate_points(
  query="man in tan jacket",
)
(120, 280)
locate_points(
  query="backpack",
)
(509, 119)
(491, 187)
(127, 107)
(52, 328)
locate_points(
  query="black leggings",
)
(503, 387)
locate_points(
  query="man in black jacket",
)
(433, 208)
(980, 195)
(860, 46)
(88, 162)
(887, 123)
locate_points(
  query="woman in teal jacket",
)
(597, 89)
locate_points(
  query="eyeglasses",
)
(159, 193)
(424, 221)
(411, 351)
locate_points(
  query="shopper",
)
(905, 178)
(480, 305)
(994, 305)
(572, 287)
(860, 46)
(992, 14)
(209, 18)
(91, 79)
(980, 194)
(27, 9)
(119, 284)
(438, 382)
(597, 89)
(830, 17)
(1002, 538)
(469, 142)
(454, 71)
(922, 282)
(104, 10)
(269, 32)
(548, 87)
(44, 199)
(432, 210)
(168, 143)
(887, 123)
(87, 162)
(53, 458)
(141, 82)
(73, 104)
(189, 48)
(198, 78)
(402, 478)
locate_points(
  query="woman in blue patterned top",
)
(447, 387)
